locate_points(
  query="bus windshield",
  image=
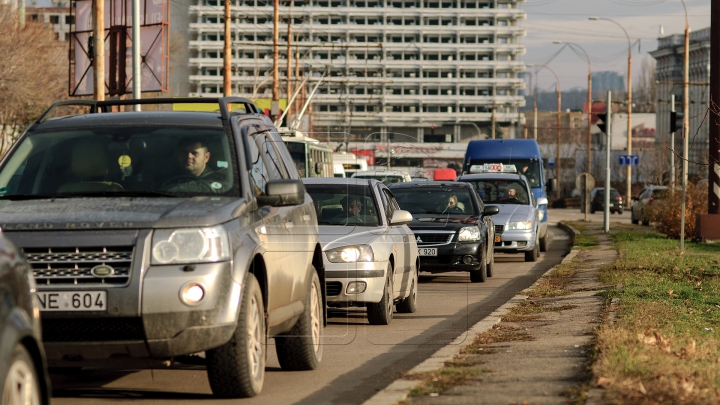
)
(528, 167)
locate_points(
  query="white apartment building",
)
(408, 68)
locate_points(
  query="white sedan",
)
(370, 255)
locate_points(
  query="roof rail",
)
(105, 106)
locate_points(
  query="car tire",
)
(592, 209)
(644, 220)
(302, 347)
(532, 255)
(381, 313)
(632, 217)
(480, 275)
(620, 211)
(237, 368)
(22, 384)
(409, 304)
(543, 243)
(490, 262)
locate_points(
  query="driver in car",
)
(352, 210)
(193, 158)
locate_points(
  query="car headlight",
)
(351, 254)
(520, 225)
(192, 245)
(469, 233)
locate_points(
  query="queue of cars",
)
(152, 235)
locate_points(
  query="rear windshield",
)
(132, 160)
(435, 200)
(344, 204)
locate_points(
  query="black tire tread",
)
(409, 304)
(228, 378)
(295, 349)
(376, 312)
(480, 275)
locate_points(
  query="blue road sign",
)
(632, 160)
(551, 163)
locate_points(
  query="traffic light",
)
(602, 122)
(676, 120)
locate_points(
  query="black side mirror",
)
(491, 210)
(281, 193)
(552, 185)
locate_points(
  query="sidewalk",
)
(538, 358)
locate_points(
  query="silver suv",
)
(158, 234)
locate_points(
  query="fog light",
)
(356, 287)
(522, 243)
(468, 259)
(192, 294)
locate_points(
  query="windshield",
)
(435, 200)
(112, 161)
(529, 167)
(297, 151)
(503, 191)
(385, 179)
(343, 204)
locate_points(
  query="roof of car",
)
(479, 176)
(339, 180)
(430, 183)
(149, 118)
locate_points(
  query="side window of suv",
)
(276, 168)
(258, 173)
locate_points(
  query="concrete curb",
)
(398, 389)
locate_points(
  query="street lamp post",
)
(629, 102)
(685, 127)
(589, 118)
(559, 110)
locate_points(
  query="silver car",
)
(370, 255)
(517, 224)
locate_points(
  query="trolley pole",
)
(606, 215)
(99, 50)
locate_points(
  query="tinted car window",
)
(435, 200)
(344, 205)
(497, 191)
(111, 160)
(384, 179)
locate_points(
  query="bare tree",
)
(33, 73)
(644, 92)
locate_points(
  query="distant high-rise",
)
(602, 82)
(413, 67)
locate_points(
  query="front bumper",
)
(515, 241)
(166, 327)
(339, 275)
(450, 257)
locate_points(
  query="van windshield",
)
(529, 167)
(131, 161)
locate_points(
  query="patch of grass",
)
(453, 373)
(497, 334)
(527, 311)
(664, 346)
(553, 285)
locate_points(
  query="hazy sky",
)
(605, 42)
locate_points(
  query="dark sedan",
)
(22, 359)
(452, 227)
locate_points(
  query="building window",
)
(69, 19)
(54, 19)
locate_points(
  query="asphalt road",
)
(359, 359)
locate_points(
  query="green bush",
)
(666, 210)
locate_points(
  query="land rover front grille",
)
(499, 228)
(433, 238)
(75, 265)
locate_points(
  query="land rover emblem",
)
(418, 240)
(102, 271)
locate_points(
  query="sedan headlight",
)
(192, 245)
(469, 233)
(520, 225)
(351, 254)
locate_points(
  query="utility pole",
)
(534, 118)
(606, 214)
(275, 105)
(21, 13)
(557, 159)
(289, 57)
(98, 49)
(227, 53)
(136, 59)
(685, 128)
(672, 148)
(492, 123)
